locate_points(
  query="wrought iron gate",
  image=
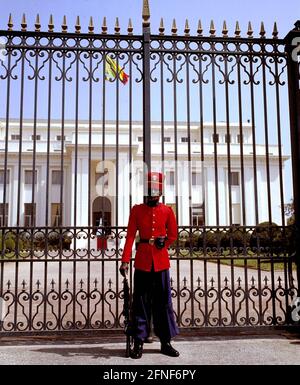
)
(89, 113)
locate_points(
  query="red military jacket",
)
(150, 222)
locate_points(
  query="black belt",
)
(150, 241)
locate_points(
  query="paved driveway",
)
(193, 351)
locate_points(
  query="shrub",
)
(9, 243)
(291, 220)
(39, 240)
(238, 237)
(57, 240)
(212, 239)
(183, 240)
(267, 235)
(289, 237)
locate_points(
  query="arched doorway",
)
(101, 212)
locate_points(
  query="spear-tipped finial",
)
(199, 29)
(130, 27)
(174, 28)
(212, 29)
(297, 25)
(23, 23)
(250, 30)
(225, 29)
(161, 27)
(10, 23)
(117, 27)
(146, 13)
(50, 25)
(64, 26)
(37, 24)
(91, 25)
(187, 28)
(275, 31)
(262, 30)
(77, 25)
(237, 29)
(104, 26)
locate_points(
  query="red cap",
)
(155, 181)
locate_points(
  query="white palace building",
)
(110, 207)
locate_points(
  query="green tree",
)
(289, 211)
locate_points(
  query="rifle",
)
(126, 314)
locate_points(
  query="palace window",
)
(29, 177)
(170, 178)
(3, 218)
(2, 177)
(197, 214)
(234, 179)
(196, 178)
(56, 211)
(29, 214)
(173, 207)
(37, 137)
(56, 177)
(59, 137)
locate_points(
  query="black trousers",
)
(152, 297)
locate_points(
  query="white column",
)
(183, 191)
(275, 194)
(72, 189)
(41, 196)
(210, 197)
(223, 197)
(262, 193)
(81, 203)
(249, 196)
(123, 193)
(68, 190)
(13, 198)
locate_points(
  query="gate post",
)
(293, 66)
(146, 91)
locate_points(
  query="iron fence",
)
(90, 113)
(219, 277)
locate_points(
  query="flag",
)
(112, 70)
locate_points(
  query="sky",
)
(284, 12)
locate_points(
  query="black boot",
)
(168, 350)
(137, 350)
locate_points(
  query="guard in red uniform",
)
(157, 228)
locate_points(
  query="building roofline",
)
(86, 122)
